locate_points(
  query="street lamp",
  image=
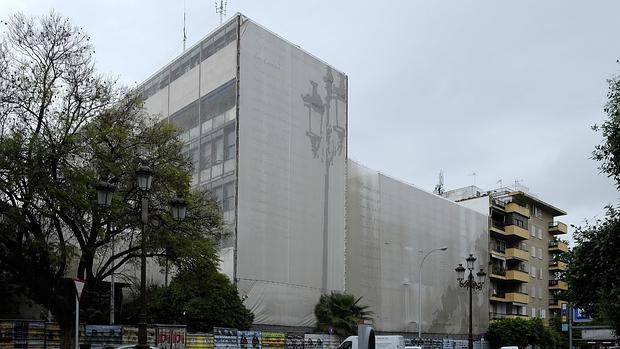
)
(105, 190)
(178, 206)
(144, 176)
(443, 248)
(472, 285)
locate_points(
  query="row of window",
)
(207, 48)
(536, 232)
(533, 273)
(211, 111)
(537, 252)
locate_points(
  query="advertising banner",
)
(294, 342)
(52, 335)
(6, 335)
(170, 337)
(320, 341)
(130, 335)
(100, 336)
(199, 341)
(249, 340)
(224, 338)
(273, 340)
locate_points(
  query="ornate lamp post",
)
(443, 248)
(105, 191)
(144, 176)
(472, 285)
(178, 207)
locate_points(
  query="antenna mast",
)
(221, 9)
(439, 188)
(184, 33)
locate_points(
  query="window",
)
(540, 231)
(533, 271)
(543, 313)
(229, 143)
(229, 196)
(533, 231)
(533, 312)
(537, 212)
(533, 251)
(540, 272)
(539, 253)
(218, 150)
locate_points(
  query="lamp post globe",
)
(105, 191)
(178, 206)
(144, 175)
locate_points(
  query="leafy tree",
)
(594, 282)
(592, 275)
(522, 332)
(198, 296)
(62, 127)
(341, 312)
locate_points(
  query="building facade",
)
(526, 268)
(265, 125)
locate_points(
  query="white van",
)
(381, 342)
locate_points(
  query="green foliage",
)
(523, 332)
(592, 275)
(199, 297)
(341, 311)
(608, 152)
(62, 127)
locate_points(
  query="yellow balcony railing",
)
(558, 285)
(556, 304)
(557, 228)
(514, 207)
(517, 253)
(516, 231)
(557, 266)
(556, 246)
(517, 275)
(517, 297)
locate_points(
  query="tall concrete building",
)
(525, 269)
(265, 125)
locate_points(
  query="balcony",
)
(558, 285)
(557, 228)
(498, 273)
(516, 231)
(499, 316)
(517, 275)
(517, 253)
(555, 303)
(557, 266)
(498, 251)
(516, 208)
(517, 297)
(557, 246)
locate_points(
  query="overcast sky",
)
(505, 89)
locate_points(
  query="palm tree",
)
(341, 312)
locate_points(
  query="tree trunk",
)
(67, 337)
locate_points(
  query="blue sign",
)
(580, 316)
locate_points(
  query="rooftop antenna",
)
(473, 174)
(221, 9)
(184, 33)
(499, 182)
(439, 188)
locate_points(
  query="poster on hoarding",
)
(199, 341)
(130, 335)
(100, 336)
(52, 335)
(294, 342)
(249, 340)
(224, 338)
(170, 337)
(320, 341)
(273, 340)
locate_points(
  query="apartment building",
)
(525, 268)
